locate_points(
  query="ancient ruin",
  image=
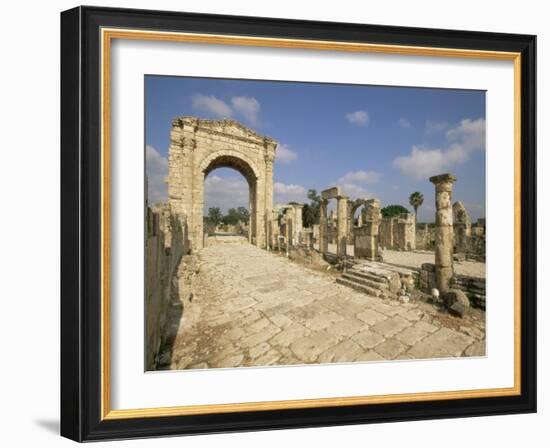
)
(198, 147)
(344, 289)
(462, 228)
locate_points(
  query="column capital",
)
(446, 178)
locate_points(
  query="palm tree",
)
(416, 199)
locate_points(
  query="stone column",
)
(323, 230)
(350, 220)
(298, 222)
(308, 238)
(273, 229)
(443, 230)
(372, 224)
(342, 226)
(289, 234)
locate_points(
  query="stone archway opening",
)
(246, 171)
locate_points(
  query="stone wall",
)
(476, 250)
(398, 232)
(425, 236)
(166, 242)
(473, 287)
(427, 277)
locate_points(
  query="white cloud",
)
(462, 140)
(355, 191)
(404, 123)
(248, 107)
(364, 177)
(284, 193)
(225, 192)
(358, 118)
(353, 183)
(284, 154)
(212, 105)
(470, 133)
(245, 107)
(157, 171)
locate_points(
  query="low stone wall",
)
(427, 277)
(476, 245)
(473, 287)
(166, 242)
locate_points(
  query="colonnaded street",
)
(239, 305)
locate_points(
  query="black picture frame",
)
(81, 224)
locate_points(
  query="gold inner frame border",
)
(107, 36)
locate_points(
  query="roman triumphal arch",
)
(198, 147)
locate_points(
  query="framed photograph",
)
(274, 223)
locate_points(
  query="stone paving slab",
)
(251, 307)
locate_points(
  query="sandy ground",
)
(415, 260)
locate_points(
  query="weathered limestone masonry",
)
(406, 231)
(273, 230)
(165, 244)
(286, 221)
(398, 232)
(342, 226)
(353, 206)
(199, 146)
(386, 233)
(462, 226)
(425, 239)
(293, 213)
(341, 221)
(443, 230)
(366, 236)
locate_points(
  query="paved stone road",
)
(244, 306)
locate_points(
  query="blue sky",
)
(373, 141)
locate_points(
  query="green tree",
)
(243, 214)
(234, 215)
(312, 211)
(393, 210)
(214, 215)
(231, 217)
(416, 200)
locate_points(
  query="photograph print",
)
(293, 223)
